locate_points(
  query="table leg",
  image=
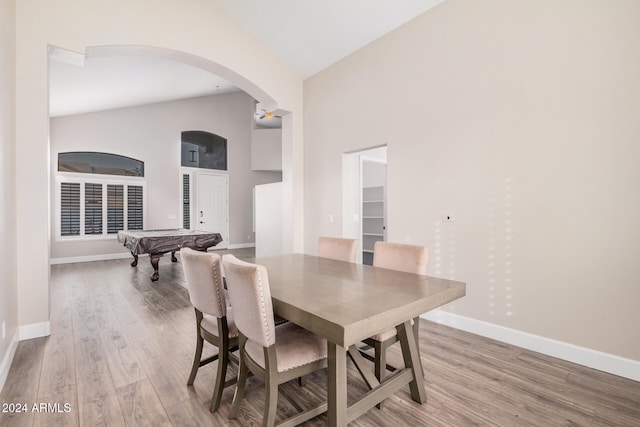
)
(154, 263)
(135, 260)
(173, 257)
(412, 360)
(336, 385)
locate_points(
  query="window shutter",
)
(115, 208)
(186, 202)
(92, 208)
(70, 209)
(134, 207)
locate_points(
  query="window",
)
(203, 150)
(99, 163)
(92, 206)
(186, 201)
(134, 207)
(69, 209)
(115, 208)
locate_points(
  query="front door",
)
(213, 206)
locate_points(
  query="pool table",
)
(159, 242)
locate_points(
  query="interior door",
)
(213, 205)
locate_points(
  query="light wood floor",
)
(121, 347)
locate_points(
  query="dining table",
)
(346, 303)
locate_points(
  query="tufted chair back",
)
(338, 248)
(204, 281)
(401, 257)
(248, 287)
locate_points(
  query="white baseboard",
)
(89, 258)
(5, 365)
(241, 245)
(35, 330)
(605, 362)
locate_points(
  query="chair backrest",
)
(401, 257)
(338, 248)
(204, 281)
(248, 287)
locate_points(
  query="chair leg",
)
(380, 352)
(196, 359)
(271, 402)
(243, 372)
(223, 361)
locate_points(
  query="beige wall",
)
(266, 149)
(152, 133)
(521, 119)
(196, 31)
(8, 286)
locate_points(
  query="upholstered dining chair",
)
(338, 248)
(214, 319)
(274, 354)
(401, 257)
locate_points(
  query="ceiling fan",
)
(267, 115)
(262, 113)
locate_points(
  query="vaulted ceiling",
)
(306, 35)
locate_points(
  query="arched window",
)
(92, 204)
(100, 163)
(203, 150)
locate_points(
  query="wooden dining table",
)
(346, 303)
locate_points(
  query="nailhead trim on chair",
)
(221, 307)
(263, 307)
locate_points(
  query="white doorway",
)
(212, 213)
(364, 192)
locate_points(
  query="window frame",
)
(104, 180)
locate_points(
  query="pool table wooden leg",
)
(154, 263)
(135, 260)
(173, 257)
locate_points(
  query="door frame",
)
(352, 191)
(194, 200)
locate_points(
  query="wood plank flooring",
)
(121, 347)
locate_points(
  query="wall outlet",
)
(448, 218)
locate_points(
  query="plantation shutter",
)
(134, 207)
(115, 208)
(186, 203)
(70, 209)
(92, 208)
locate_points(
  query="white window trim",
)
(105, 180)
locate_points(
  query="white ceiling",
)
(310, 35)
(306, 35)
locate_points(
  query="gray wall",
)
(521, 118)
(8, 282)
(151, 133)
